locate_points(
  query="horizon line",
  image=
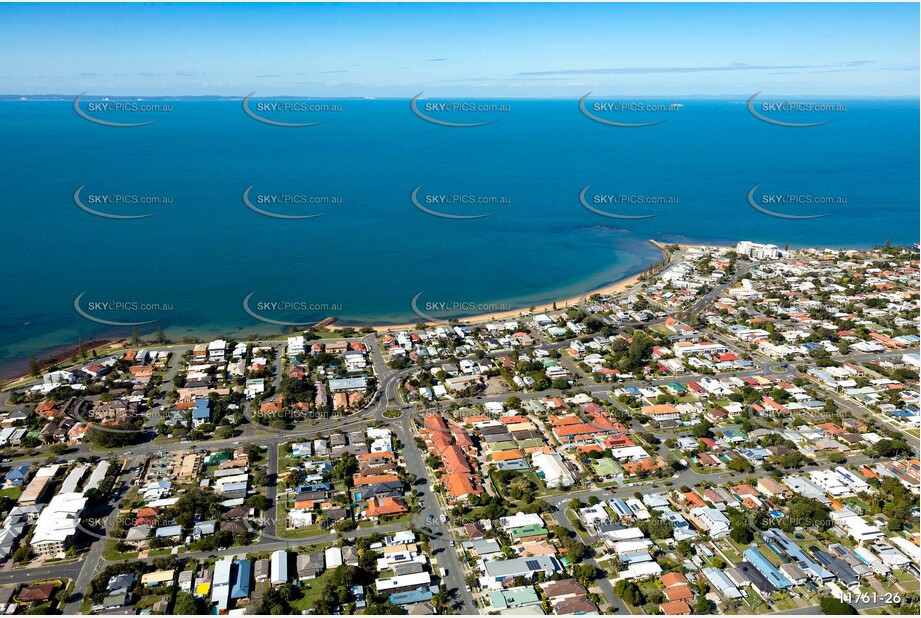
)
(231, 97)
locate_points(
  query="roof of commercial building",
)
(59, 519)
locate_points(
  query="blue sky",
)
(475, 50)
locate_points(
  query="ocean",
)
(372, 250)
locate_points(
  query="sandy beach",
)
(613, 288)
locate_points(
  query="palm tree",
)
(440, 600)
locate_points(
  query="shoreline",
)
(616, 287)
(612, 288)
(621, 285)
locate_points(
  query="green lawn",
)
(112, 555)
(11, 492)
(311, 589)
(574, 520)
(148, 600)
(405, 519)
(786, 603)
(300, 533)
(532, 443)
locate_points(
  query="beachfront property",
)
(711, 393)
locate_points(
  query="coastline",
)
(66, 352)
(621, 285)
(613, 288)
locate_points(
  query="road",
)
(430, 515)
(92, 560)
(603, 582)
(431, 510)
(58, 571)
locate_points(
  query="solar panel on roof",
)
(534, 565)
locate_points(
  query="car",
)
(452, 543)
(468, 588)
(236, 442)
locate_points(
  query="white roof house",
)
(713, 521)
(296, 346)
(855, 525)
(217, 349)
(279, 568)
(220, 587)
(400, 582)
(555, 473)
(333, 557)
(57, 523)
(521, 519)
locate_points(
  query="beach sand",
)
(614, 288)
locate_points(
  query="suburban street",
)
(432, 511)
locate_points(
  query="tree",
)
(345, 468)
(739, 465)
(585, 574)
(629, 592)
(126, 434)
(189, 605)
(22, 554)
(701, 605)
(656, 527)
(440, 600)
(702, 429)
(575, 549)
(258, 502)
(741, 534)
(383, 609)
